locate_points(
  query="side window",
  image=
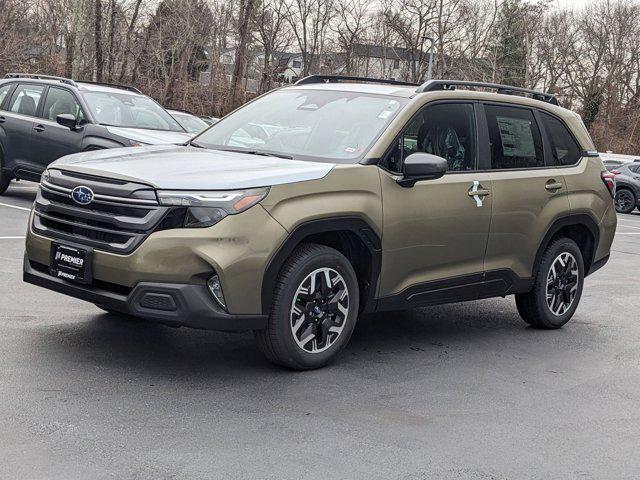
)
(4, 90)
(60, 101)
(25, 99)
(635, 168)
(514, 138)
(446, 129)
(564, 147)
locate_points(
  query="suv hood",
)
(191, 168)
(152, 137)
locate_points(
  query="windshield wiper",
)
(193, 144)
(258, 152)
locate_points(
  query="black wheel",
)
(314, 309)
(625, 201)
(5, 178)
(557, 288)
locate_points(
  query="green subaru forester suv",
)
(334, 197)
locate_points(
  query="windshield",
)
(190, 123)
(130, 111)
(318, 125)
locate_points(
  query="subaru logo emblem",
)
(82, 195)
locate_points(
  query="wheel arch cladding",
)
(581, 228)
(352, 236)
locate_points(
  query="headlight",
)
(205, 209)
(45, 176)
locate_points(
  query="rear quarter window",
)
(565, 150)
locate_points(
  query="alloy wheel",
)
(623, 201)
(319, 310)
(562, 283)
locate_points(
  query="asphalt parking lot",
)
(460, 391)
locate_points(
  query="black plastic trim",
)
(436, 85)
(345, 78)
(578, 219)
(597, 265)
(493, 283)
(353, 224)
(194, 306)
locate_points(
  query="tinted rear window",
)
(564, 148)
(514, 137)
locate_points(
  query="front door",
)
(435, 233)
(50, 139)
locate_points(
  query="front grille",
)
(119, 218)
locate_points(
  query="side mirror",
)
(67, 120)
(422, 166)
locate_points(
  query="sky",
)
(572, 3)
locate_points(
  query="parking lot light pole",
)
(431, 48)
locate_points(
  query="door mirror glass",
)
(67, 120)
(422, 166)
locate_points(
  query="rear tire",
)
(557, 287)
(314, 309)
(625, 201)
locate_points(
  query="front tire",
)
(625, 201)
(314, 310)
(5, 178)
(557, 288)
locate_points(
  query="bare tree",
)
(309, 20)
(98, 40)
(353, 19)
(272, 34)
(244, 37)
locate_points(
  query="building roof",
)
(379, 51)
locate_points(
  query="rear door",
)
(5, 96)
(50, 139)
(528, 189)
(19, 121)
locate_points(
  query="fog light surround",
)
(214, 286)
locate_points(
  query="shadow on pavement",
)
(128, 345)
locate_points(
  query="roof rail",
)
(343, 78)
(37, 76)
(113, 85)
(435, 85)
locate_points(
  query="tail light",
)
(615, 172)
(609, 180)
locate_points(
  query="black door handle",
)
(3, 119)
(39, 128)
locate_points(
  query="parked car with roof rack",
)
(209, 120)
(337, 196)
(43, 118)
(189, 121)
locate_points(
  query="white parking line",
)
(12, 238)
(15, 206)
(627, 233)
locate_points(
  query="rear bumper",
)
(172, 304)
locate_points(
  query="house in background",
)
(377, 61)
(394, 63)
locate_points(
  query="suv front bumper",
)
(172, 304)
